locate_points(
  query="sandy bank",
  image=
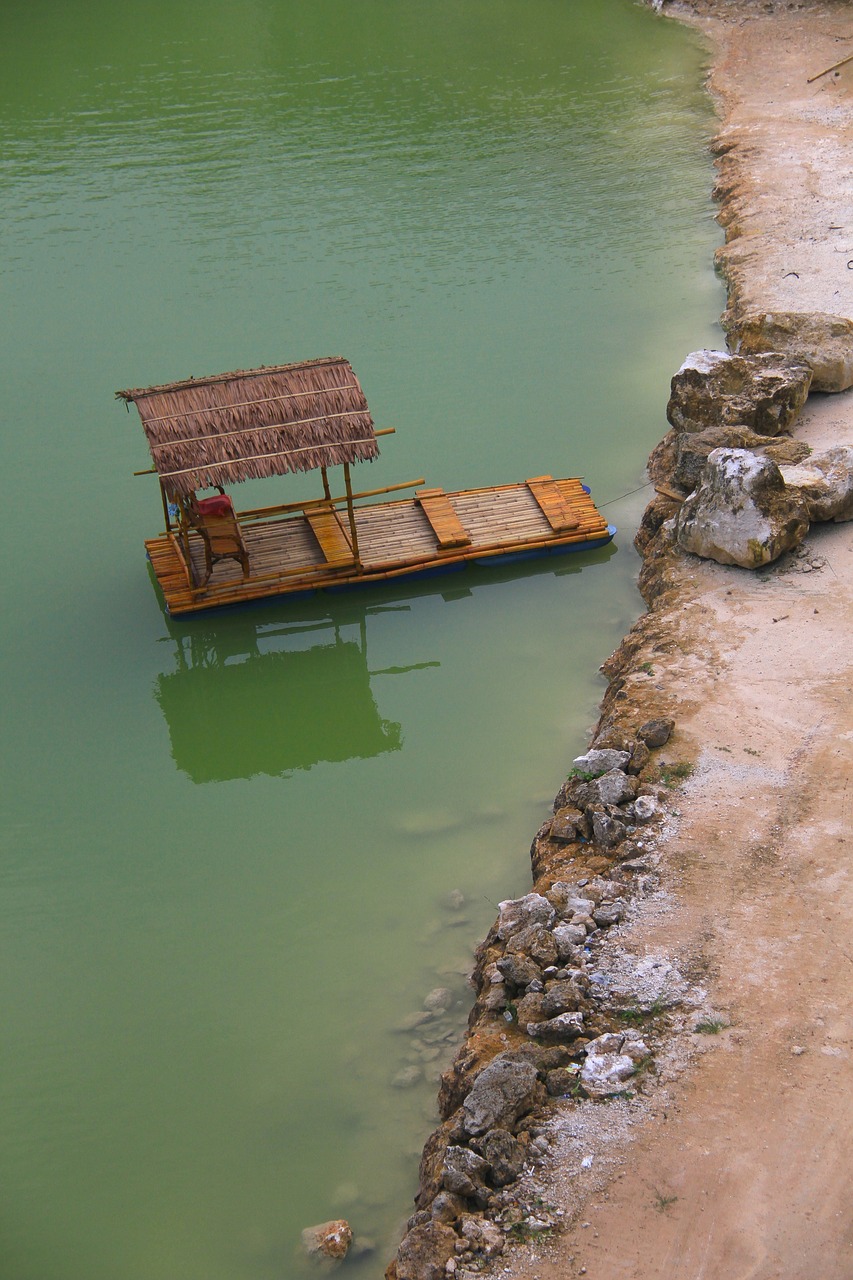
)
(739, 1165)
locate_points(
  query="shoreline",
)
(729, 1157)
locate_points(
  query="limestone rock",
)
(577, 906)
(607, 830)
(741, 512)
(447, 1207)
(615, 787)
(519, 913)
(482, 1236)
(567, 824)
(464, 1173)
(502, 1093)
(519, 970)
(536, 942)
(328, 1243)
(692, 450)
(561, 997)
(610, 1061)
(425, 1252)
(568, 938)
(601, 761)
(640, 757)
(529, 1008)
(559, 1030)
(495, 999)
(715, 389)
(560, 1081)
(824, 342)
(825, 482)
(645, 809)
(561, 894)
(608, 914)
(505, 1154)
(656, 733)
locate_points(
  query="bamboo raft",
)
(312, 549)
(270, 421)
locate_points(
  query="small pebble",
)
(797, 1050)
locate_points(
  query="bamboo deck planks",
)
(311, 549)
(550, 499)
(330, 534)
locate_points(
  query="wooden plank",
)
(550, 499)
(333, 541)
(446, 525)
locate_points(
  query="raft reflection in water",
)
(250, 697)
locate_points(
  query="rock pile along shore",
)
(548, 1026)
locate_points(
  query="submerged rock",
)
(742, 513)
(328, 1243)
(439, 1000)
(407, 1078)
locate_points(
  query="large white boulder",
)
(742, 512)
(764, 392)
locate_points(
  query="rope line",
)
(629, 494)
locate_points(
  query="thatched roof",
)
(255, 423)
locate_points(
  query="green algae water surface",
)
(238, 852)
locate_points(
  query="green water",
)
(227, 844)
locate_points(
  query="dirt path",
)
(741, 1164)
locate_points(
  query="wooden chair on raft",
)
(215, 522)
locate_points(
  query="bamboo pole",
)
(166, 515)
(185, 563)
(351, 516)
(834, 67)
(280, 509)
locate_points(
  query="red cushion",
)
(218, 506)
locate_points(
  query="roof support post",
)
(166, 515)
(351, 515)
